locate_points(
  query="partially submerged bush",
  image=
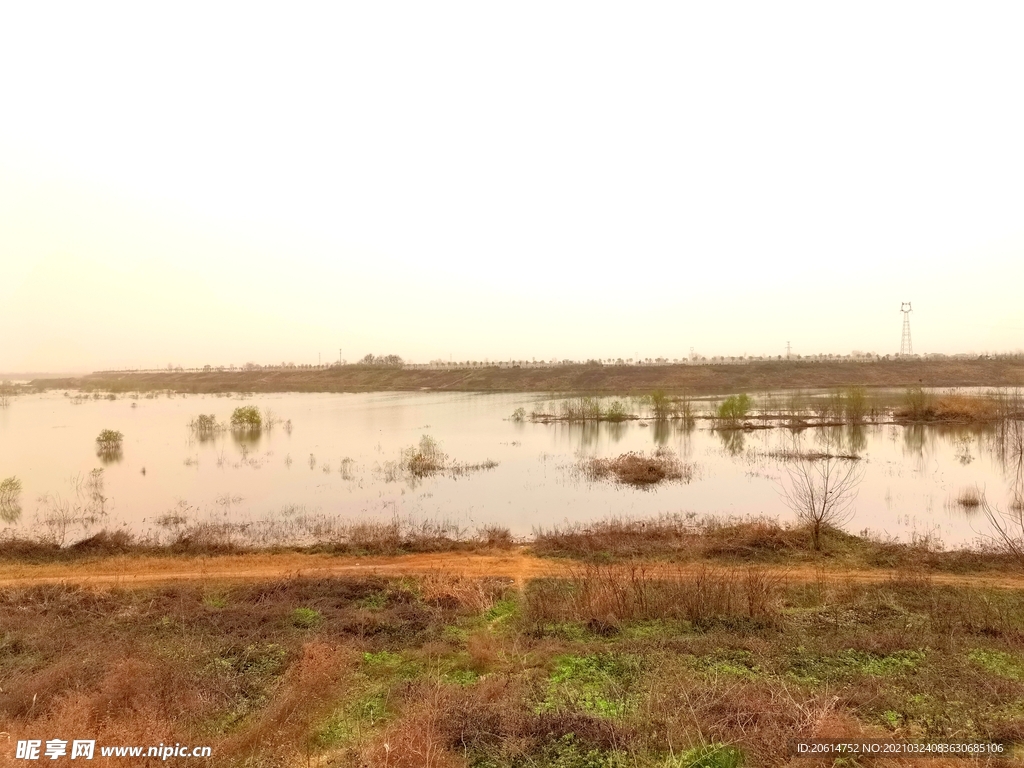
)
(204, 424)
(616, 411)
(581, 409)
(108, 445)
(735, 408)
(638, 469)
(424, 459)
(661, 404)
(247, 418)
(109, 439)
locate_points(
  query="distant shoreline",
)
(577, 379)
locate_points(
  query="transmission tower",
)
(906, 348)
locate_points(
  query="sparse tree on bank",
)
(821, 490)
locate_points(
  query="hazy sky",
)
(207, 182)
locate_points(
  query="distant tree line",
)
(385, 361)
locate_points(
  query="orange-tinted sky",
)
(197, 183)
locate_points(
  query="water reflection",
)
(664, 429)
(733, 441)
(109, 454)
(915, 438)
(334, 464)
(246, 439)
(856, 439)
(10, 510)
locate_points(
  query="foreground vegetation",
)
(602, 667)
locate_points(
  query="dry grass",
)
(639, 469)
(681, 538)
(605, 596)
(323, 535)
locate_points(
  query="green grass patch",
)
(463, 677)
(215, 600)
(502, 610)
(599, 684)
(654, 629)
(708, 756)
(814, 669)
(375, 601)
(349, 719)
(728, 663)
(306, 618)
(388, 664)
(998, 663)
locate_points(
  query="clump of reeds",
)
(965, 408)
(970, 498)
(920, 406)
(425, 459)
(205, 426)
(610, 594)
(639, 469)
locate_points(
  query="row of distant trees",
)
(386, 361)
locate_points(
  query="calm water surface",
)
(337, 462)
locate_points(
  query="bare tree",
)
(822, 489)
(1008, 527)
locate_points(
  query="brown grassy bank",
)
(202, 549)
(590, 379)
(715, 667)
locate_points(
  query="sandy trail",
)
(142, 570)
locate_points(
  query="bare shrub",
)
(496, 536)
(821, 492)
(1007, 527)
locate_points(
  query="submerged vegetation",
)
(734, 409)
(638, 469)
(426, 459)
(109, 445)
(796, 409)
(246, 418)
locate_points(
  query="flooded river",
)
(337, 456)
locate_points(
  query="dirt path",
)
(141, 570)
